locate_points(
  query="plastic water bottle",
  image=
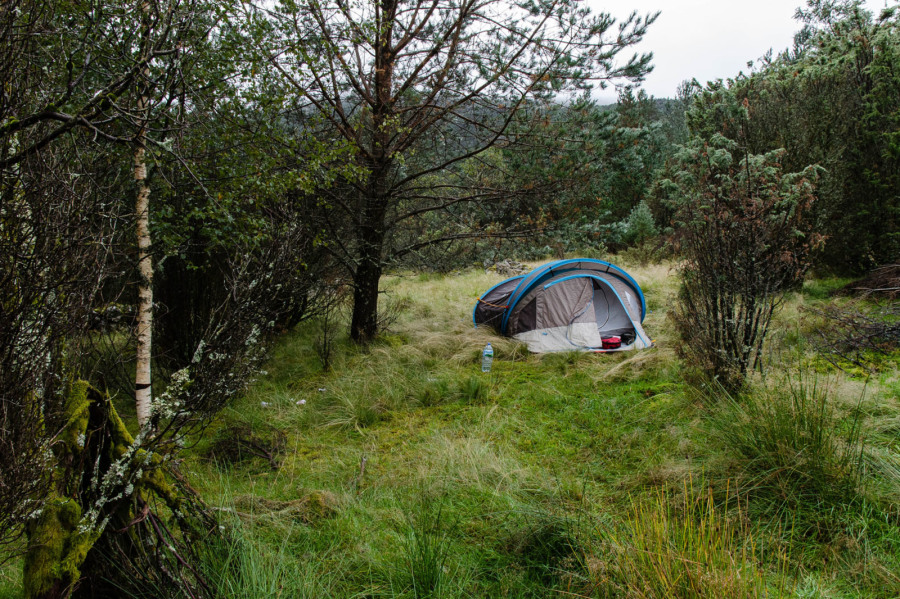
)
(487, 356)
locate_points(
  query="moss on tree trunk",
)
(92, 441)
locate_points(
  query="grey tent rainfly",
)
(568, 305)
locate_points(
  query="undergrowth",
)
(237, 565)
(794, 448)
(679, 543)
(10, 579)
(403, 471)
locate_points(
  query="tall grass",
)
(353, 411)
(520, 463)
(671, 547)
(238, 566)
(10, 578)
(794, 447)
(547, 543)
(426, 547)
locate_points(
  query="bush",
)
(859, 334)
(640, 226)
(745, 239)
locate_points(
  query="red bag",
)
(611, 342)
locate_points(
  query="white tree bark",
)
(142, 388)
(142, 380)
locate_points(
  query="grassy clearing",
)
(558, 475)
(403, 471)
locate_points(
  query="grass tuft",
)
(546, 546)
(237, 565)
(353, 411)
(681, 545)
(473, 389)
(795, 449)
(426, 547)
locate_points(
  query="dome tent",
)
(567, 305)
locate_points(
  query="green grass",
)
(404, 471)
(793, 445)
(822, 289)
(426, 549)
(238, 565)
(11, 580)
(520, 483)
(510, 454)
(680, 543)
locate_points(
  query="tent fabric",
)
(567, 305)
(491, 306)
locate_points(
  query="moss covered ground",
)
(404, 471)
(429, 478)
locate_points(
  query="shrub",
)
(745, 240)
(858, 334)
(640, 226)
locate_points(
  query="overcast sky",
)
(709, 39)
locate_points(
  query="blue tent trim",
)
(475, 308)
(603, 282)
(548, 270)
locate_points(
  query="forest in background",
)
(182, 182)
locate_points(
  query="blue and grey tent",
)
(567, 305)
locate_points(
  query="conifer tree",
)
(416, 88)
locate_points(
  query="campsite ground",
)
(406, 472)
(408, 469)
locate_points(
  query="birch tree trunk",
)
(142, 388)
(144, 330)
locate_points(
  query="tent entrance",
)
(603, 316)
(612, 318)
